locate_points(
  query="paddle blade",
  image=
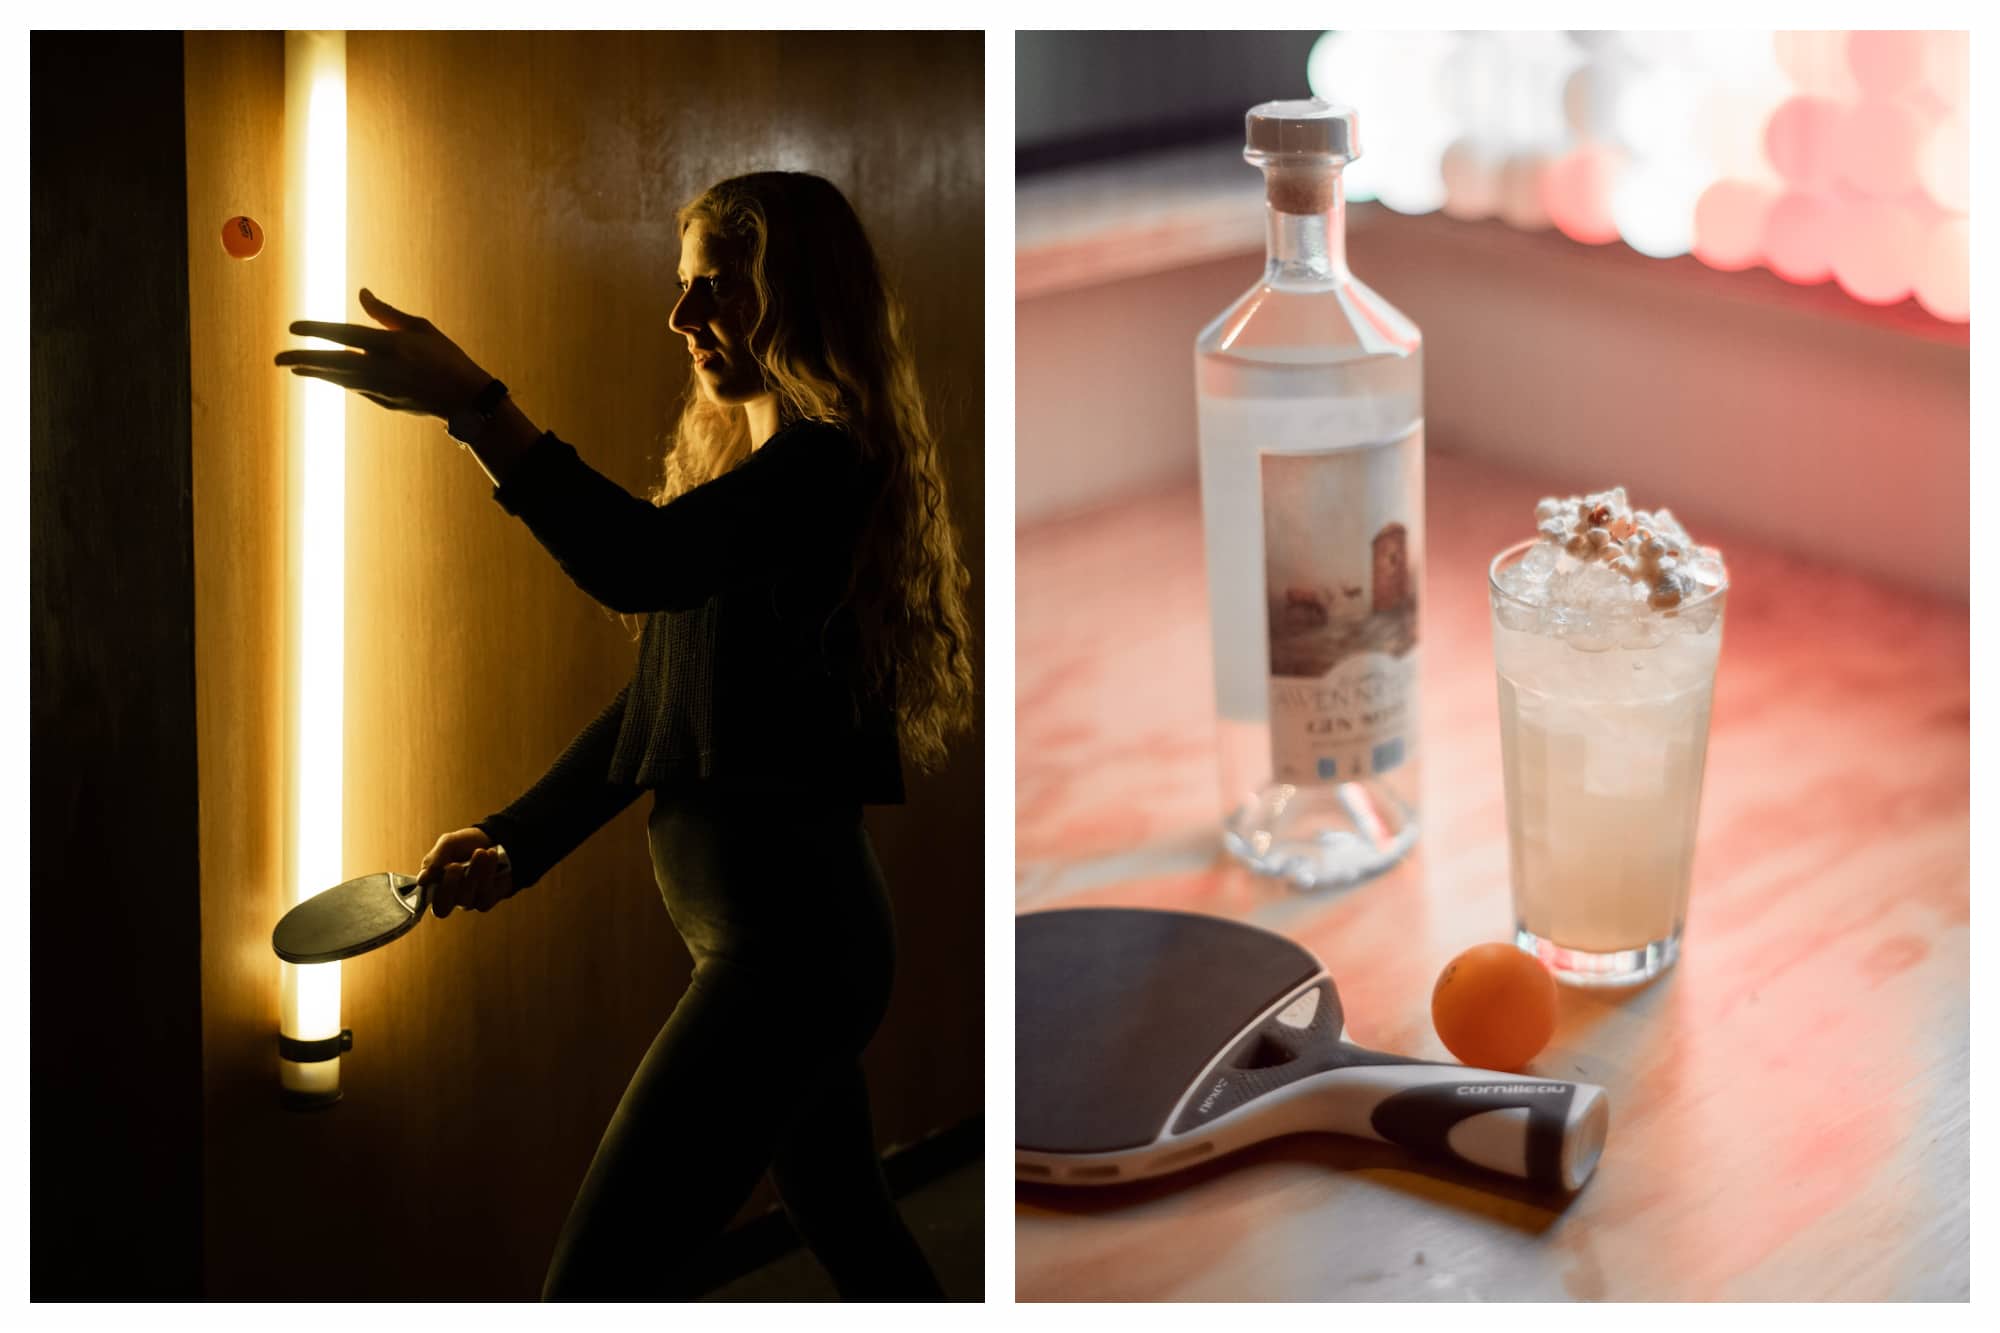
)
(1117, 1010)
(350, 919)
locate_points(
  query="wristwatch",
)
(470, 422)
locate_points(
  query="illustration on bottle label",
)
(1341, 610)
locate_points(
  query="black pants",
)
(758, 1067)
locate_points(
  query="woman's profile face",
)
(715, 313)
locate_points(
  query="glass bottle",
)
(1310, 392)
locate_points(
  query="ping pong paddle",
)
(1148, 1041)
(355, 917)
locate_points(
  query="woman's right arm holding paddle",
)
(546, 823)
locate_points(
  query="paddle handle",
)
(416, 894)
(1545, 1131)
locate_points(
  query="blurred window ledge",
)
(1138, 216)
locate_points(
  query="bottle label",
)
(1343, 548)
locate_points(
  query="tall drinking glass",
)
(1603, 734)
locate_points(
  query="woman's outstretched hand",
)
(464, 870)
(405, 366)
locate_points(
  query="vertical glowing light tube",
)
(316, 416)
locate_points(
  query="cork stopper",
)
(1299, 190)
(1301, 145)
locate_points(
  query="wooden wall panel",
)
(519, 191)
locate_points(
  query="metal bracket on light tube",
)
(311, 1052)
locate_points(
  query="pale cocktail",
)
(1606, 633)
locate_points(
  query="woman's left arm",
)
(789, 500)
(786, 501)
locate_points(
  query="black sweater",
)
(745, 670)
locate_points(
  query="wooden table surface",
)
(1789, 1105)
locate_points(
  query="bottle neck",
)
(1305, 225)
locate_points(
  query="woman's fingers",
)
(396, 319)
(373, 360)
(479, 881)
(478, 884)
(354, 335)
(499, 884)
(408, 366)
(367, 372)
(475, 885)
(322, 358)
(450, 891)
(361, 382)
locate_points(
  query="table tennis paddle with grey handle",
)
(1148, 1041)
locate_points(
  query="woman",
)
(805, 629)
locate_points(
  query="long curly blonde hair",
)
(830, 339)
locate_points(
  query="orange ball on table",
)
(1494, 1007)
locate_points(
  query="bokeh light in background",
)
(1821, 156)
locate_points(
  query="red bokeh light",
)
(1798, 239)
(1576, 191)
(1945, 164)
(1729, 224)
(1882, 146)
(1878, 251)
(1886, 63)
(1802, 139)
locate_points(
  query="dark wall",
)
(1084, 96)
(115, 1020)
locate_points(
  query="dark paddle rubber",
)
(350, 919)
(1118, 1010)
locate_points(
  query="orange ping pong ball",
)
(1494, 1007)
(242, 237)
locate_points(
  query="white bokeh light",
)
(1729, 130)
(1654, 114)
(1653, 204)
(1744, 58)
(1944, 166)
(1393, 80)
(1529, 116)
